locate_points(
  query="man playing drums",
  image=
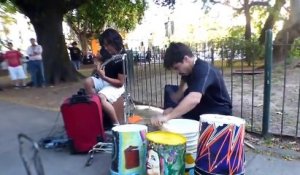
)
(201, 91)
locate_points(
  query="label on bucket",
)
(164, 157)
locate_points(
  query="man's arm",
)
(29, 51)
(188, 103)
(39, 50)
(179, 93)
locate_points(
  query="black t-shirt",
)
(207, 80)
(113, 68)
(75, 53)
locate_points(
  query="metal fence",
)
(248, 82)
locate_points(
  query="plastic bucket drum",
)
(189, 129)
(165, 153)
(221, 145)
(129, 150)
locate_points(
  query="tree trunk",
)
(272, 18)
(248, 23)
(247, 30)
(290, 31)
(48, 27)
(283, 42)
(83, 42)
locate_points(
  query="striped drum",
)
(221, 145)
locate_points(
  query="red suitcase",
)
(83, 121)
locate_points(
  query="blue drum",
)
(221, 145)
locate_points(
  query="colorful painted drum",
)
(166, 153)
(129, 150)
(221, 145)
(189, 129)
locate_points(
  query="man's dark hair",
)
(175, 54)
(9, 43)
(112, 37)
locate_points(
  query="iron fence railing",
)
(245, 82)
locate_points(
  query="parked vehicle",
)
(88, 59)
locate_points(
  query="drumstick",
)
(249, 145)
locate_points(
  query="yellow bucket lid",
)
(166, 138)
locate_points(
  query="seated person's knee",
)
(89, 85)
(102, 97)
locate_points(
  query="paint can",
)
(165, 153)
(190, 130)
(129, 150)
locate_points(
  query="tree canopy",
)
(90, 18)
(47, 16)
(6, 10)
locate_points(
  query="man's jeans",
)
(76, 64)
(36, 70)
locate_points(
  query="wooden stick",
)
(249, 145)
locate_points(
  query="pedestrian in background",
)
(75, 54)
(1, 60)
(15, 68)
(35, 64)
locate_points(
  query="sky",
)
(190, 23)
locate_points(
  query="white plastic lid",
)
(181, 126)
(129, 128)
(220, 120)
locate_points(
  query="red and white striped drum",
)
(221, 145)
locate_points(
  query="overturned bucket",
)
(129, 150)
(221, 145)
(190, 130)
(165, 153)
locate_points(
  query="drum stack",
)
(182, 147)
(190, 130)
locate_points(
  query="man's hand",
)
(159, 120)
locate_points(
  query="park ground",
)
(34, 111)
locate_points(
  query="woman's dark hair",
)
(104, 54)
(112, 37)
(175, 54)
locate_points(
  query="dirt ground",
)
(248, 100)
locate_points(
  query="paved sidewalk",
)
(37, 123)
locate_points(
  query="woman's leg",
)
(89, 86)
(109, 109)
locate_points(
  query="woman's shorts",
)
(110, 92)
